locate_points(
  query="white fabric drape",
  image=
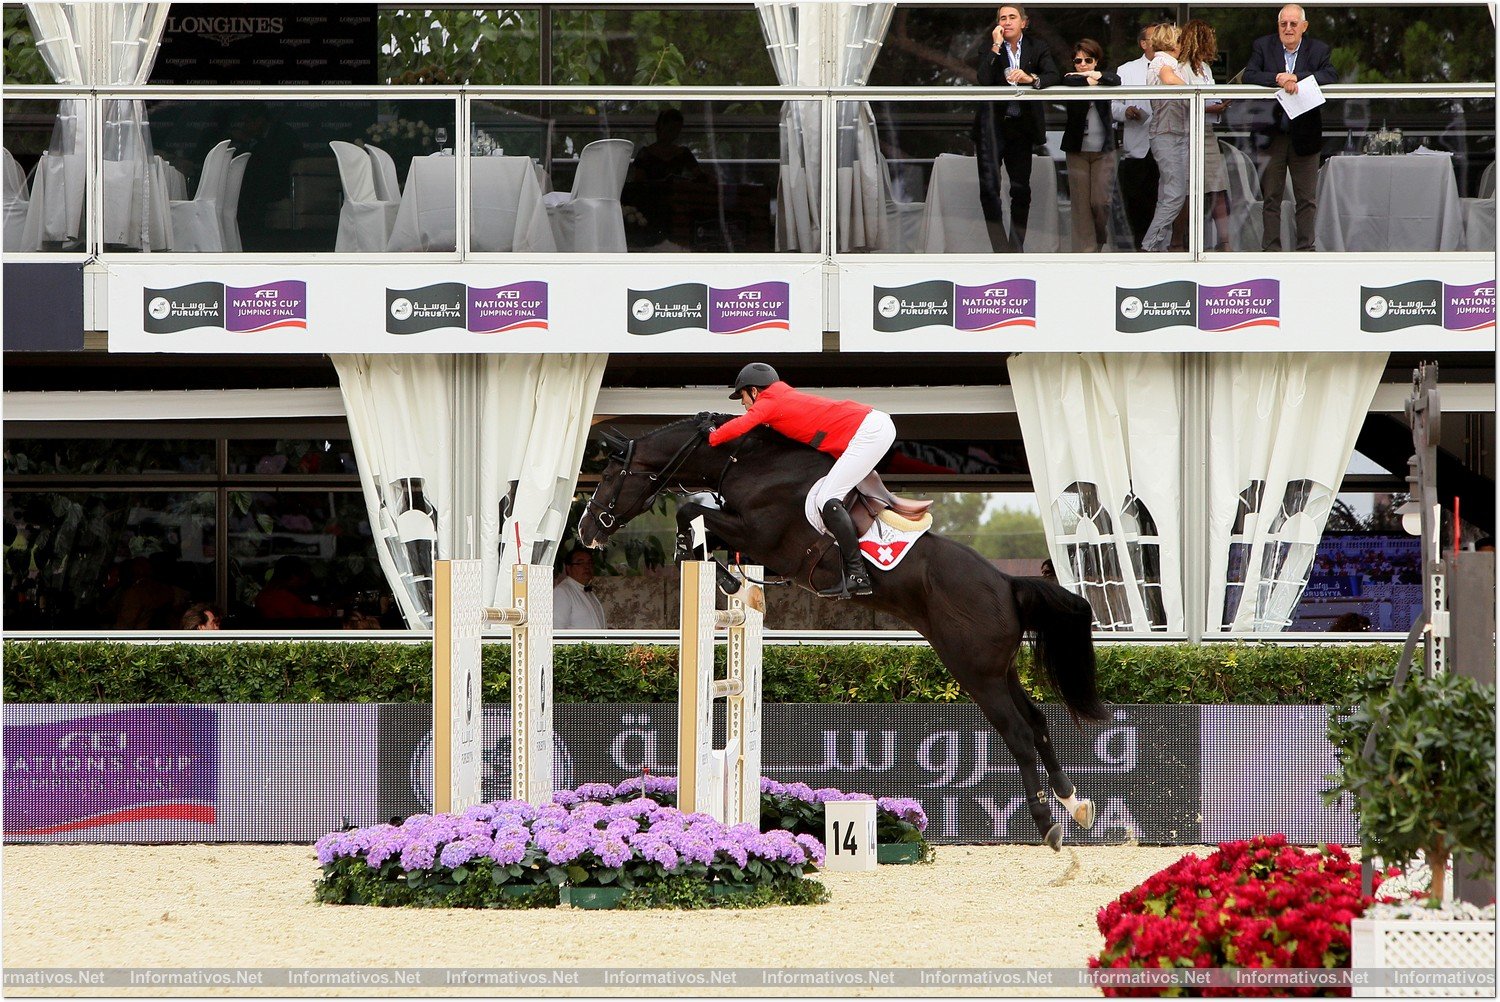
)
(460, 454)
(1283, 427)
(1103, 440)
(793, 33)
(864, 187)
(99, 45)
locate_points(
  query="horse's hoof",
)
(1084, 814)
(1054, 838)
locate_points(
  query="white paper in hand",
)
(1309, 95)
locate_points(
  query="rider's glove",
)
(706, 423)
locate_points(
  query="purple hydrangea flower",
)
(598, 792)
(612, 850)
(458, 853)
(566, 798)
(813, 848)
(418, 855)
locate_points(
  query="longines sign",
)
(471, 308)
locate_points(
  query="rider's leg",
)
(866, 447)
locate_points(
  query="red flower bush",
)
(1260, 903)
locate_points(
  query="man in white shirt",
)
(574, 604)
(1137, 172)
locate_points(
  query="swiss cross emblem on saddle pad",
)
(890, 537)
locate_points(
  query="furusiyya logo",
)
(1169, 304)
(696, 306)
(970, 308)
(1427, 303)
(251, 309)
(447, 305)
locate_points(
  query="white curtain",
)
(1104, 443)
(793, 33)
(461, 454)
(863, 185)
(99, 45)
(1283, 428)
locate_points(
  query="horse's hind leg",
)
(1000, 709)
(1082, 810)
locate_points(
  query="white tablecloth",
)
(954, 223)
(1396, 203)
(55, 213)
(506, 213)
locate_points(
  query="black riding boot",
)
(856, 574)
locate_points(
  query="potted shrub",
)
(1427, 791)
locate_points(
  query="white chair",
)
(195, 223)
(903, 220)
(1478, 213)
(387, 187)
(229, 208)
(54, 213)
(365, 221)
(17, 200)
(590, 217)
(954, 221)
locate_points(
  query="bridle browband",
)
(623, 449)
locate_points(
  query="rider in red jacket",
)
(858, 435)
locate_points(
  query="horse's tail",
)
(1063, 642)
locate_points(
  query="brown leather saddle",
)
(871, 498)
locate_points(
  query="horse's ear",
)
(617, 443)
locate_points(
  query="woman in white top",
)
(1199, 48)
(1168, 131)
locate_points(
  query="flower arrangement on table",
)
(1261, 903)
(400, 130)
(512, 854)
(793, 807)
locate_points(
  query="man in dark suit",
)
(1006, 131)
(1280, 60)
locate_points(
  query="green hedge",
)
(373, 672)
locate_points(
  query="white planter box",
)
(1417, 944)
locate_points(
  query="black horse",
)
(972, 614)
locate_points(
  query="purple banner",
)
(147, 763)
(1011, 303)
(265, 307)
(1256, 303)
(1469, 307)
(508, 307)
(763, 306)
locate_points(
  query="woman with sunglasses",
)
(1089, 141)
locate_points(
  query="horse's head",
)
(637, 472)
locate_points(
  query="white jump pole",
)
(459, 616)
(724, 783)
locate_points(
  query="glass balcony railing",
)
(401, 171)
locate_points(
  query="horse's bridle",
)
(625, 449)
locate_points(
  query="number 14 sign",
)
(849, 835)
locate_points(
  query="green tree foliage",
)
(997, 533)
(23, 62)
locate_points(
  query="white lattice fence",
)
(1431, 951)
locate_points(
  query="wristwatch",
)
(1036, 83)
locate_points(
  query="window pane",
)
(660, 47)
(495, 46)
(46, 145)
(303, 559)
(311, 457)
(126, 561)
(32, 456)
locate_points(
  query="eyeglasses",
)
(1082, 59)
(1288, 24)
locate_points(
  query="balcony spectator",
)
(1089, 142)
(283, 598)
(1200, 47)
(574, 604)
(1281, 60)
(149, 602)
(1137, 169)
(1169, 132)
(202, 616)
(1005, 132)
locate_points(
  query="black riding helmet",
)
(757, 374)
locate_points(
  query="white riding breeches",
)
(870, 442)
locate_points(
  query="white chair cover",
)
(954, 221)
(591, 218)
(1479, 214)
(55, 212)
(229, 208)
(387, 187)
(195, 223)
(507, 212)
(17, 200)
(904, 221)
(1048, 220)
(365, 221)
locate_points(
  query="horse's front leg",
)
(691, 508)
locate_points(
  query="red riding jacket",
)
(826, 425)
